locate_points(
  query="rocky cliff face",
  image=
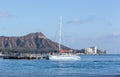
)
(32, 41)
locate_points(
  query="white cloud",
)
(4, 14)
(79, 21)
(116, 33)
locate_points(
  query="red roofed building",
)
(66, 51)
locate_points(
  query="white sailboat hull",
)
(64, 58)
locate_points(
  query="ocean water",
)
(88, 66)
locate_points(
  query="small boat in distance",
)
(63, 56)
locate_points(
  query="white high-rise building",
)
(1, 54)
(94, 49)
(91, 50)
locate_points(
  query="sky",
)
(85, 22)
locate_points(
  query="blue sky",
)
(85, 22)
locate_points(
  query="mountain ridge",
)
(31, 41)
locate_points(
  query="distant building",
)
(100, 51)
(66, 51)
(1, 54)
(91, 50)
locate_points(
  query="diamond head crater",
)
(37, 44)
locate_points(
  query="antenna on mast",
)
(60, 33)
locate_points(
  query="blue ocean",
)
(88, 66)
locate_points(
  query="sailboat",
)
(63, 56)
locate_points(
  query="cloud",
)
(4, 14)
(116, 34)
(93, 19)
(74, 21)
(79, 21)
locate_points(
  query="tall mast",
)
(60, 33)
